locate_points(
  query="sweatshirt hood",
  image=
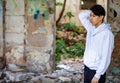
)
(101, 27)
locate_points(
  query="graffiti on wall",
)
(1, 12)
(14, 4)
(40, 8)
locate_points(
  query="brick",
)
(1, 25)
(15, 7)
(15, 38)
(15, 24)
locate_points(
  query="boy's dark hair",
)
(98, 10)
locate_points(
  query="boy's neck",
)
(98, 24)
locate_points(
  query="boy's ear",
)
(101, 17)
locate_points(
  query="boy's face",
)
(96, 20)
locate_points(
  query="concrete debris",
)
(67, 71)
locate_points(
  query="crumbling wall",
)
(15, 31)
(71, 6)
(1, 28)
(114, 20)
(114, 15)
(29, 34)
(40, 35)
(74, 6)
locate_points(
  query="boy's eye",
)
(92, 15)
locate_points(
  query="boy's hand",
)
(95, 80)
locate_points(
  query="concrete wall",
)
(114, 20)
(40, 35)
(15, 31)
(1, 29)
(74, 6)
(71, 6)
(114, 15)
(29, 34)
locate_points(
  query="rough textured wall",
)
(114, 14)
(74, 7)
(1, 29)
(71, 6)
(114, 19)
(29, 34)
(15, 31)
(104, 3)
(40, 35)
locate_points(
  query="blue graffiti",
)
(1, 10)
(36, 15)
(38, 11)
(43, 15)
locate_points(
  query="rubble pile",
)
(67, 71)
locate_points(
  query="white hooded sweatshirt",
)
(99, 44)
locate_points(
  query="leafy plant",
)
(66, 47)
(77, 49)
(68, 51)
(69, 26)
(60, 48)
(73, 28)
(59, 4)
(68, 14)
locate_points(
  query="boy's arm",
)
(84, 19)
(108, 46)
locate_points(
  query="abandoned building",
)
(28, 35)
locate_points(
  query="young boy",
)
(99, 44)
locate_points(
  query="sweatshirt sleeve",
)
(84, 19)
(106, 52)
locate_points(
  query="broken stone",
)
(65, 79)
(36, 62)
(116, 80)
(47, 80)
(63, 66)
(57, 76)
(115, 70)
(110, 77)
(36, 79)
(15, 56)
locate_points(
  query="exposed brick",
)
(15, 24)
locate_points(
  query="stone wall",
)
(114, 20)
(114, 15)
(15, 31)
(29, 34)
(1, 29)
(40, 35)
